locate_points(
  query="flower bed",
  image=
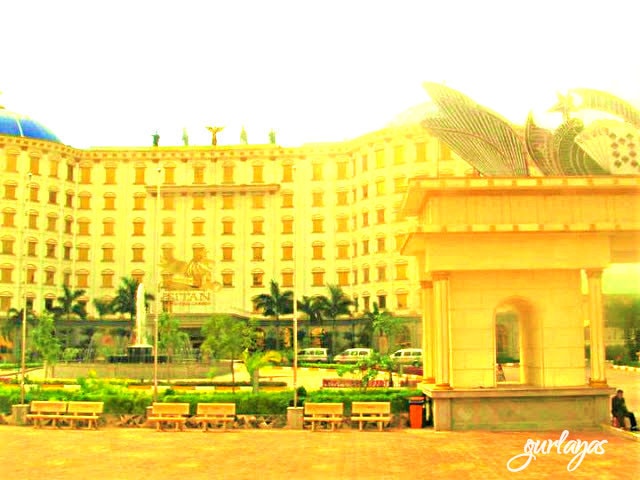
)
(351, 383)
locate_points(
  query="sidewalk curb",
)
(618, 432)
(626, 368)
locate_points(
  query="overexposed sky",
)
(109, 73)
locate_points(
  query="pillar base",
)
(443, 386)
(430, 380)
(598, 383)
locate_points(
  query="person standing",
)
(619, 410)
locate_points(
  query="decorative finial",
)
(272, 136)
(156, 139)
(243, 136)
(185, 137)
(214, 131)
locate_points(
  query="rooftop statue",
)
(185, 137)
(495, 147)
(214, 131)
(156, 139)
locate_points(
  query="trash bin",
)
(416, 412)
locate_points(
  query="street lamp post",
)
(158, 283)
(23, 343)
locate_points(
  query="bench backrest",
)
(85, 407)
(216, 409)
(170, 409)
(371, 407)
(323, 408)
(42, 406)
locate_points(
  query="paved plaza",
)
(143, 453)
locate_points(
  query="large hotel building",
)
(211, 225)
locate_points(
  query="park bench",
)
(330, 413)
(84, 412)
(215, 413)
(41, 410)
(375, 412)
(175, 413)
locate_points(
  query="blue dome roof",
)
(12, 123)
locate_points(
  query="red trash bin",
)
(416, 411)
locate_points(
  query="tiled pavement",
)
(128, 454)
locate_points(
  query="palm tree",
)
(69, 305)
(125, 299)
(274, 304)
(334, 305)
(312, 307)
(103, 307)
(384, 324)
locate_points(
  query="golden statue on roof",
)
(214, 132)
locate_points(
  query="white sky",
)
(110, 73)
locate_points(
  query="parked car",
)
(352, 355)
(408, 356)
(313, 355)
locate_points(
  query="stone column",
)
(441, 320)
(596, 329)
(428, 333)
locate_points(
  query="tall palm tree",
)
(275, 304)
(333, 306)
(312, 307)
(384, 324)
(68, 304)
(125, 300)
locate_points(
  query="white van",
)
(408, 356)
(353, 355)
(313, 355)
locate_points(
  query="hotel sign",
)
(188, 297)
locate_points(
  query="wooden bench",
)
(375, 412)
(41, 410)
(215, 413)
(175, 413)
(84, 412)
(330, 413)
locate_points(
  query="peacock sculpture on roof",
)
(495, 147)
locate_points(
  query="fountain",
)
(141, 351)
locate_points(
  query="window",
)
(168, 202)
(287, 173)
(343, 278)
(317, 225)
(342, 224)
(82, 279)
(401, 271)
(365, 247)
(227, 174)
(342, 170)
(167, 227)
(10, 192)
(343, 251)
(169, 175)
(380, 215)
(257, 226)
(12, 162)
(445, 152)
(287, 252)
(400, 184)
(380, 158)
(317, 277)
(198, 174)
(318, 253)
(354, 245)
(138, 227)
(51, 250)
(365, 192)
(382, 273)
(5, 303)
(317, 199)
(33, 193)
(227, 253)
(7, 246)
(398, 154)
(287, 200)
(257, 200)
(66, 279)
(53, 167)
(287, 225)
(365, 163)
(107, 279)
(257, 251)
(53, 197)
(138, 253)
(355, 276)
(256, 279)
(109, 175)
(85, 174)
(138, 276)
(421, 152)
(138, 202)
(365, 219)
(382, 301)
(198, 227)
(32, 246)
(68, 225)
(227, 278)
(49, 277)
(380, 245)
(85, 202)
(33, 220)
(66, 252)
(52, 222)
(109, 201)
(70, 170)
(399, 240)
(139, 179)
(8, 218)
(365, 274)
(69, 200)
(380, 187)
(227, 202)
(342, 198)
(227, 226)
(6, 273)
(287, 279)
(316, 172)
(198, 202)
(34, 165)
(401, 300)
(31, 274)
(258, 173)
(83, 253)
